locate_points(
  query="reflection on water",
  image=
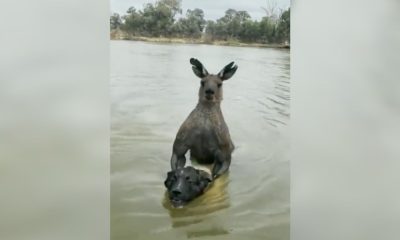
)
(153, 90)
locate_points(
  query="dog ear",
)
(205, 175)
(203, 179)
(168, 181)
(203, 183)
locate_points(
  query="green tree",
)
(239, 24)
(132, 21)
(283, 28)
(196, 18)
(158, 19)
(154, 20)
(190, 26)
(267, 29)
(174, 6)
(230, 26)
(210, 30)
(115, 21)
(250, 31)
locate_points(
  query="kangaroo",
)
(205, 132)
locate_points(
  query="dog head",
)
(185, 184)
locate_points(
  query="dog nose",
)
(176, 193)
(209, 92)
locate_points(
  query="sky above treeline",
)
(213, 9)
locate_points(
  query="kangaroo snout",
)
(209, 91)
(209, 94)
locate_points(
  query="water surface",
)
(153, 89)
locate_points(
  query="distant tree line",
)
(159, 20)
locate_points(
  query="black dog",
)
(185, 184)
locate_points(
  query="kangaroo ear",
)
(228, 71)
(198, 68)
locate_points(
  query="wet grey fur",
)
(205, 132)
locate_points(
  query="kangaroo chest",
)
(208, 131)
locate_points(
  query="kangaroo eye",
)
(202, 83)
(219, 85)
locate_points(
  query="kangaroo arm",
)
(221, 164)
(177, 161)
(178, 158)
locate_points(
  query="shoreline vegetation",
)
(164, 22)
(117, 34)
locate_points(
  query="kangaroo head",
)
(211, 84)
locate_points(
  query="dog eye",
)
(188, 178)
(202, 83)
(219, 85)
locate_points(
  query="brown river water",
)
(153, 89)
